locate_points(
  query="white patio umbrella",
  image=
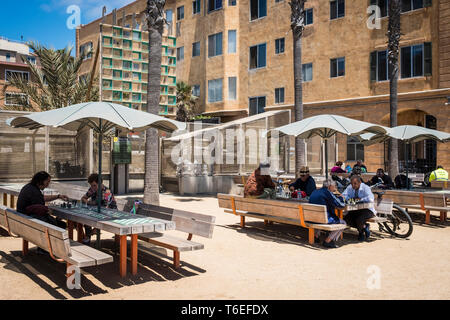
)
(408, 134)
(100, 116)
(326, 126)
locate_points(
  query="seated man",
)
(90, 198)
(326, 197)
(439, 174)
(31, 201)
(358, 218)
(305, 183)
(383, 178)
(260, 185)
(360, 164)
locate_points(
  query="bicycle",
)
(399, 223)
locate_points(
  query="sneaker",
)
(41, 251)
(367, 231)
(86, 241)
(361, 236)
(330, 244)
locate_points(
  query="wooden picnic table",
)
(120, 223)
(13, 190)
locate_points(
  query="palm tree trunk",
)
(298, 79)
(394, 34)
(151, 178)
(297, 26)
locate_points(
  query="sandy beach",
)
(258, 262)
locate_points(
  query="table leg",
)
(70, 229)
(12, 204)
(5, 199)
(24, 247)
(134, 253)
(98, 244)
(80, 232)
(427, 217)
(123, 256)
(242, 222)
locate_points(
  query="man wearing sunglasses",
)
(305, 183)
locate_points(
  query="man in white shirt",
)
(358, 218)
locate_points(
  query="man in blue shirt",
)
(326, 197)
(358, 218)
(305, 183)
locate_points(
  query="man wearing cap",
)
(305, 183)
(260, 185)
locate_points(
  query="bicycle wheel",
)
(399, 224)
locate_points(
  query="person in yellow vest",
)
(439, 174)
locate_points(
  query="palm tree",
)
(297, 26)
(155, 24)
(186, 102)
(55, 82)
(394, 33)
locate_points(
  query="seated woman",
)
(90, 198)
(31, 200)
(338, 168)
(260, 185)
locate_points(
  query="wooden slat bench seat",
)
(310, 216)
(189, 222)
(52, 239)
(426, 201)
(442, 185)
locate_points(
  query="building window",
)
(416, 61)
(196, 90)
(383, 5)
(232, 86)
(258, 9)
(379, 67)
(231, 41)
(337, 67)
(276, 1)
(279, 46)
(215, 45)
(307, 70)
(309, 16)
(409, 5)
(22, 74)
(257, 105)
(169, 14)
(258, 56)
(355, 149)
(196, 6)
(337, 9)
(215, 90)
(180, 53)
(279, 95)
(196, 49)
(8, 57)
(214, 5)
(180, 13)
(232, 3)
(16, 99)
(86, 49)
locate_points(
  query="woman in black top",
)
(31, 200)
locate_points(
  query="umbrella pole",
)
(100, 188)
(326, 158)
(406, 164)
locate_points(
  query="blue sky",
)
(46, 20)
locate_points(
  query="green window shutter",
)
(428, 58)
(427, 3)
(373, 66)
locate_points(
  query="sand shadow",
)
(151, 267)
(418, 218)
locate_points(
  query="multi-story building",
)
(12, 56)
(123, 59)
(238, 56)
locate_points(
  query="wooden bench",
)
(309, 216)
(189, 222)
(426, 201)
(442, 185)
(52, 239)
